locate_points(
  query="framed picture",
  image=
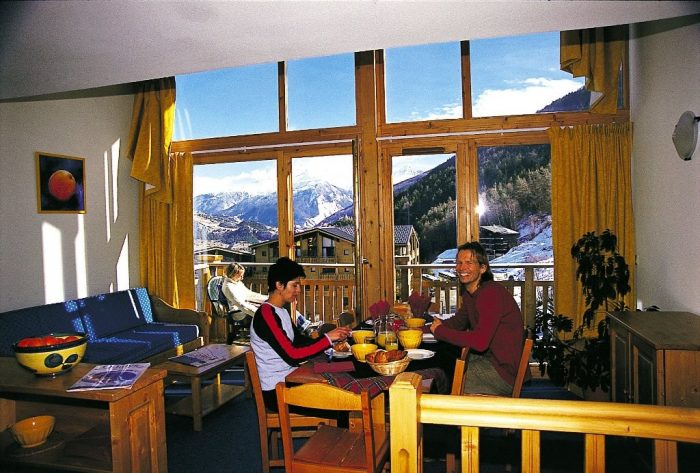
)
(60, 183)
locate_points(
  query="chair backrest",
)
(331, 398)
(254, 378)
(460, 373)
(523, 367)
(462, 362)
(216, 296)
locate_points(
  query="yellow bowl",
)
(359, 336)
(415, 322)
(58, 354)
(33, 431)
(361, 350)
(410, 338)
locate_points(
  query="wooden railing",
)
(324, 297)
(409, 408)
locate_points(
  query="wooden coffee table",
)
(205, 399)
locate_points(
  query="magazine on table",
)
(110, 377)
(203, 356)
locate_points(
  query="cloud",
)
(447, 111)
(527, 96)
(257, 181)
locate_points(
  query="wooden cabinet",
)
(655, 358)
(116, 430)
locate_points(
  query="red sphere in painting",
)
(62, 185)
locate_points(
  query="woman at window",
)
(237, 294)
(488, 322)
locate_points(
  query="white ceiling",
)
(48, 47)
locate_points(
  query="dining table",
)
(348, 373)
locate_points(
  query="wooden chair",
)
(458, 386)
(269, 422)
(460, 373)
(335, 449)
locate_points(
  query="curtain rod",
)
(282, 145)
(381, 138)
(461, 133)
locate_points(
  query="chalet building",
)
(222, 254)
(497, 240)
(332, 246)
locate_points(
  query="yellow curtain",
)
(151, 133)
(591, 191)
(597, 55)
(166, 241)
(166, 238)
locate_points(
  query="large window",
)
(423, 83)
(234, 101)
(235, 211)
(520, 75)
(321, 92)
(515, 206)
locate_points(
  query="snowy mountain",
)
(230, 217)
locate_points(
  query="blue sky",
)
(513, 75)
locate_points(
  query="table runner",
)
(377, 384)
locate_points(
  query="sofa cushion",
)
(52, 318)
(144, 303)
(115, 350)
(136, 344)
(178, 334)
(106, 314)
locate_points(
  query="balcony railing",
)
(324, 296)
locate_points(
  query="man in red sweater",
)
(488, 322)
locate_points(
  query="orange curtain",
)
(596, 54)
(591, 191)
(166, 241)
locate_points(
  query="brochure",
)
(110, 377)
(203, 356)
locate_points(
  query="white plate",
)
(429, 338)
(420, 354)
(341, 354)
(337, 354)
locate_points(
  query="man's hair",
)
(284, 270)
(481, 256)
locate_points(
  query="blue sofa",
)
(122, 327)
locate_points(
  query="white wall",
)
(53, 257)
(665, 72)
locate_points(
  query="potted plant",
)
(580, 359)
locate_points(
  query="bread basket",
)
(390, 368)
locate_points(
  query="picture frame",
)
(60, 183)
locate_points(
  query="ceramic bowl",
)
(33, 431)
(361, 350)
(51, 354)
(410, 338)
(359, 336)
(415, 322)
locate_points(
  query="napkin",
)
(379, 308)
(335, 367)
(419, 303)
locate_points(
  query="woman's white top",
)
(239, 296)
